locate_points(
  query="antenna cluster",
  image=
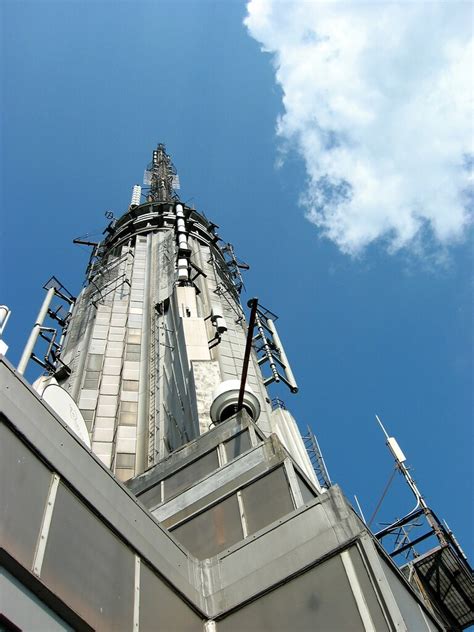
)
(161, 176)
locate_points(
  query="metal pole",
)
(288, 372)
(30, 345)
(253, 304)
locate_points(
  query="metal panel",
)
(237, 445)
(163, 609)
(87, 566)
(266, 500)
(190, 474)
(24, 488)
(320, 599)
(213, 530)
(409, 607)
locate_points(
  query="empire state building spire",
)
(161, 176)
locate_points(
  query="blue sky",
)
(375, 321)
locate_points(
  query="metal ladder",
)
(316, 458)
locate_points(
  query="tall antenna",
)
(161, 176)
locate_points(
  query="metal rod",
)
(253, 304)
(383, 496)
(30, 345)
(411, 544)
(361, 513)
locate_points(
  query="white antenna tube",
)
(288, 372)
(30, 345)
(382, 426)
(4, 316)
(183, 272)
(136, 195)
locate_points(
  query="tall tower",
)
(149, 481)
(155, 344)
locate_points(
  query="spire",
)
(161, 176)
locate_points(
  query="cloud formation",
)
(377, 99)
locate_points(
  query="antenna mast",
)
(161, 176)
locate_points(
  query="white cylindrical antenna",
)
(30, 345)
(183, 273)
(136, 196)
(396, 450)
(392, 444)
(290, 378)
(4, 316)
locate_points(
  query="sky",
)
(332, 144)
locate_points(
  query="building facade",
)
(189, 501)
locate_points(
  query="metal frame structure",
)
(443, 571)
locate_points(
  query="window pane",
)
(212, 531)
(123, 459)
(130, 385)
(94, 361)
(191, 474)
(237, 445)
(91, 379)
(306, 491)
(266, 500)
(128, 419)
(131, 407)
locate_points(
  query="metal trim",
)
(357, 591)
(45, 524)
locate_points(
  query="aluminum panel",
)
(112, 366)
(103, 434)
(409, 607)
(24, 608)
(212, 531)
(24, 487)
(109, 389)
(370, 596)
(97, 346)
(163, 609)
(104, 422)
(101, 447)
(88, 567)
(266, 500)
(320, 599)
(126, 445)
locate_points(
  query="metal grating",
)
(449, 583)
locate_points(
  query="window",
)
(123, 459)
(132, 352)
(94, 361)
(130, 385)
(237, 445)
(128, 413)
(88, 416)
(91, 380)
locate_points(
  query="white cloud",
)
(378, 101)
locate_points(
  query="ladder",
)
(316, 458)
